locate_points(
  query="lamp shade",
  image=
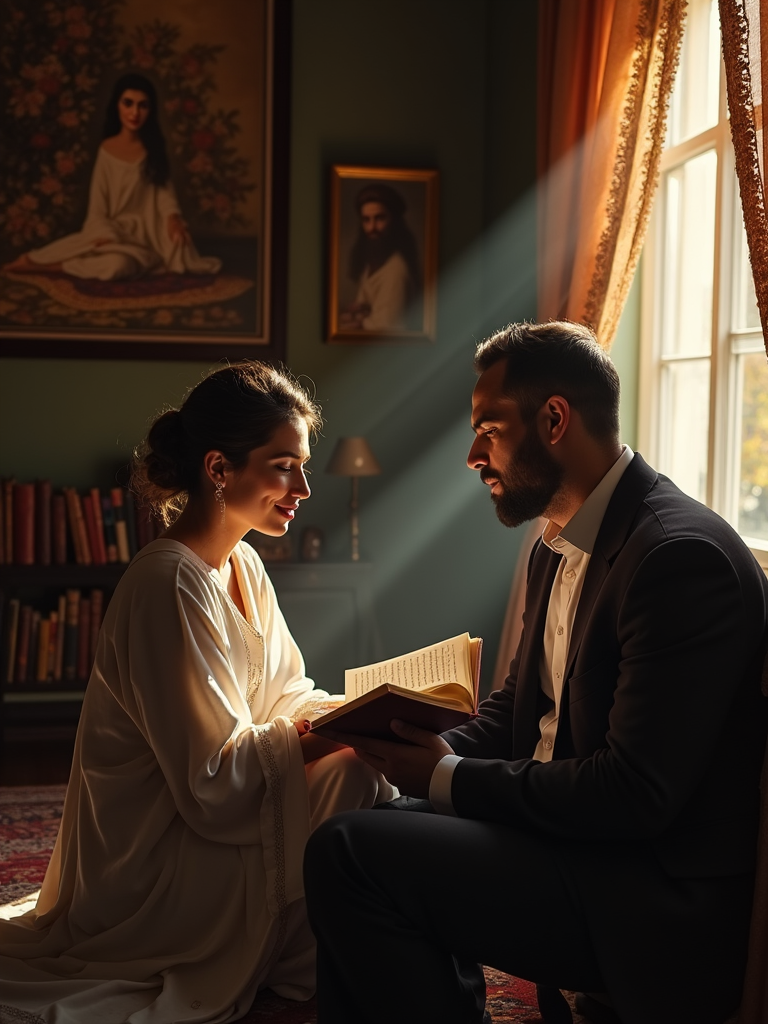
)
(352, 456)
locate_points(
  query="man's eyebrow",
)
(486, 419)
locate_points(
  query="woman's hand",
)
(177, 230)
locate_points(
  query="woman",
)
(133, 225)
(174, 892)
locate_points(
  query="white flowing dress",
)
(128, 215)
(175, 887)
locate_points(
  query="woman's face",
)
(265, 494)
(133, 109)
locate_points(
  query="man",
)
(384, 263)
(596, 823)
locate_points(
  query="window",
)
(704, 373)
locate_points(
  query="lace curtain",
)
(606, 70)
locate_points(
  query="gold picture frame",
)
(382, 255)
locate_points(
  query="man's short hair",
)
(556, 358)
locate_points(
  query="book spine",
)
(70, 633)
(59, 529)
(74, 533)
(34, 639)
(90, 528)
(121, 530)
(43, 494)
(110, 537)
(22, 647)
(24, 524)
(58, 666)
(43, 639)
(2, 525)
(84, 639)
(97, 609)
(53, 634)
(99, 517)
(12, 638)
(8, 519)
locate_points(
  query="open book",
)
(434, 688)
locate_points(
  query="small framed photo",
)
(382, 281)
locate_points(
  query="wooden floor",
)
(36, 759)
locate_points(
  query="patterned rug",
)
(29, 820)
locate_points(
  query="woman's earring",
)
(220, 499)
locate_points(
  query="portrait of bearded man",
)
(384, 264)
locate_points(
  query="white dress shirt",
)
(575, 542)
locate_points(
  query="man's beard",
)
(376, 251)
(537, 479)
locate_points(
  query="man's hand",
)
(408, 766)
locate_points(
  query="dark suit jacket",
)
(662, 725)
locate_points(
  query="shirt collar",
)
(582, 528)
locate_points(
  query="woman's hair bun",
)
(166, 457)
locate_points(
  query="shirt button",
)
(559, 630)
(548, 744)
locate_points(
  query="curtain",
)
(745, 49)
(606, 70)
(744, 26)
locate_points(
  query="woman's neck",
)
(202, 532)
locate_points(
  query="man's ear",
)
(557, 416)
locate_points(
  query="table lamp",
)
(353, 457)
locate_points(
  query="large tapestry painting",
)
(136, 212)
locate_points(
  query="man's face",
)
(374, 219)
(509, 454)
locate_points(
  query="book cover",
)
(59, 529)
(22, 646)
(7, 539)
(53, 633)
(43, 540)
(121, 528)
(70, 494)
(58, 666)
(110, 538)
(84, 639)
(24, 524)
(70, 633)
(11, 638)
(370, 714)
(99, 517)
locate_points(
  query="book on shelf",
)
(71, 624)
(59, 529)
(77, 527)
(24, 524)
(121, 527)
(98, 516)
(11, 637)
(43, 639)
(91, 529)
(435, 688)
(7, 540)
(97, 613)
(83, 639)
(58, 663)
(110, 537)
(22, 644)
(43, 536)
(32, 653)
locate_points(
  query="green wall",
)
(439, 83)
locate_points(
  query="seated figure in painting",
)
(174, 892)
(133, 226)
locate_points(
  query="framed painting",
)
(143, 207)
(382, 281)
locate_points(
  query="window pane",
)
(745, 314)
(688, 258)
(685, 425)
(694, 102)
(753, 477)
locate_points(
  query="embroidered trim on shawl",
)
(13, 1015)
(663, 53)
(254, 680)
(273, 782)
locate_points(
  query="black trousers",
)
(403, 903)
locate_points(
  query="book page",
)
(445, 662)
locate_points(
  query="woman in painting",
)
(175, 892)
(133, 225)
